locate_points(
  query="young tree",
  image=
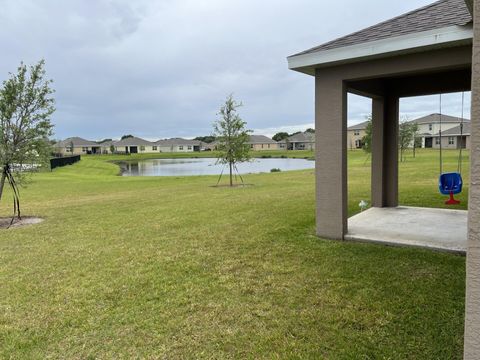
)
(26, 104)
(406, 136)
(232, 136)
(367, 138)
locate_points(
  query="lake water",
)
(189, 167)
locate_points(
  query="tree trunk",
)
(2, 182)
(231, 175)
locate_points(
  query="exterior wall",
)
(264, 147)
(472, 305)
(352, 138)
(176, 148)
(76, 151)
(425, 129)
(446, 142)
(303, 145)
(142, 149)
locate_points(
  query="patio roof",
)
(444, 23)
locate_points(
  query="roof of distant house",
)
(76, 141)
(360, 126)
(260, 139)
(106, 143)
(133, 141)
(303, 137)
(435, 119)
(456, 131)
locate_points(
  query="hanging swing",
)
(451, 183)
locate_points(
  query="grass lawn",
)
(152, 267)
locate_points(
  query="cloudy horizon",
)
(163, 68)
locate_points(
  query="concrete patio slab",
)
(437, 229)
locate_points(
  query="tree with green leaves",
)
(206, 139)
(26, 105)
(406, 136)
(280, 136)
(367, 138)
(126, 136)
(232, 136)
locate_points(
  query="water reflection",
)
(189, 167)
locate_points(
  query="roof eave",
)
(406, 44)
(469, 4)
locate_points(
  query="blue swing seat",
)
(450, 183)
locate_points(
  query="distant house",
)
(134, 145)
(429, 127)
(106, 146)
(256, 143)
(453, 138)
(262, 142)
(300, 141)
(76, 146)
(179, 145)
(355, 135)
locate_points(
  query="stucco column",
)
(385, 114)
(331, 155)
(472, 306)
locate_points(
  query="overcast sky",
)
(162, 68)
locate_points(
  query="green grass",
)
(130, 267)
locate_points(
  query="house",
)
(262, 142)
(256, 143)
(179, 145)
(76, 146)
(429, 127)
(431, 50)
(453, 138)
(107, 146)
(134, 145)
(300, 141)
(355, 135)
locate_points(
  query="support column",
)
(331, 156)
(472, 305)
(385, 117)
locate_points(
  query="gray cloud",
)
(163, 68)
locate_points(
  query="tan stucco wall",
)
(76, 151)
(176, 148)
(446, 145)
(147, 149)
(472, 306)
(262, 147)
(352, 138)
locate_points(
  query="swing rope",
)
(440, 136)
(459, 167)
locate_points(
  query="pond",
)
(207, 166)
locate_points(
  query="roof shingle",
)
(443, 13)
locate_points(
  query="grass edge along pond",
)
(152, 267)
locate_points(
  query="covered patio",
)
(436, 229)
(427, 51)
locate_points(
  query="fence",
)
(63, 161)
